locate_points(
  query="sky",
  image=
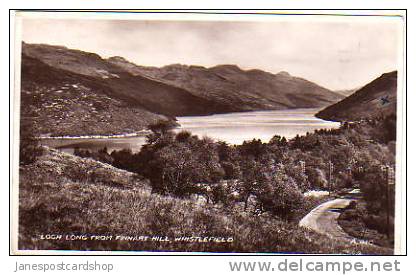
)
(336, 54)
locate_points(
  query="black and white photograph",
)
(216, 133)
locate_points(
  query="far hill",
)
(378, 98)
(246, 90)
(346, 92)
(72, 92)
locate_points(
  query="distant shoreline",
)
(141, 133)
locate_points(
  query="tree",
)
(224, 151)
(374, 188)
(247, 183)
(255, 148)
(228, 157)
(161, 135)
(161, 126)
(301, 179)
(277, 193)
(179, 166)
(104, 156)
(279, 141)
(183, 136)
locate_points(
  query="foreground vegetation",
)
(271, 176)
(251, 193)
(361, 224)
(64, 194)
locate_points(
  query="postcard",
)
(228, 132)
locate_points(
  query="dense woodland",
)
(271, 176)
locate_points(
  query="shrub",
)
(379, 223)
(278, 193)
(124, 159)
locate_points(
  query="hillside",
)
(378, 98)
(244, 89)
(136, 91)
(71, 92)
(64, 103)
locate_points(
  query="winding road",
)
(324, 218)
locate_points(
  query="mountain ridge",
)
(53, 75)
(253, 87)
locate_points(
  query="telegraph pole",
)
(303, 166)
(389, 178)
(388, 202)
(331, 169)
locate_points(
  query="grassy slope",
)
(61, 193)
